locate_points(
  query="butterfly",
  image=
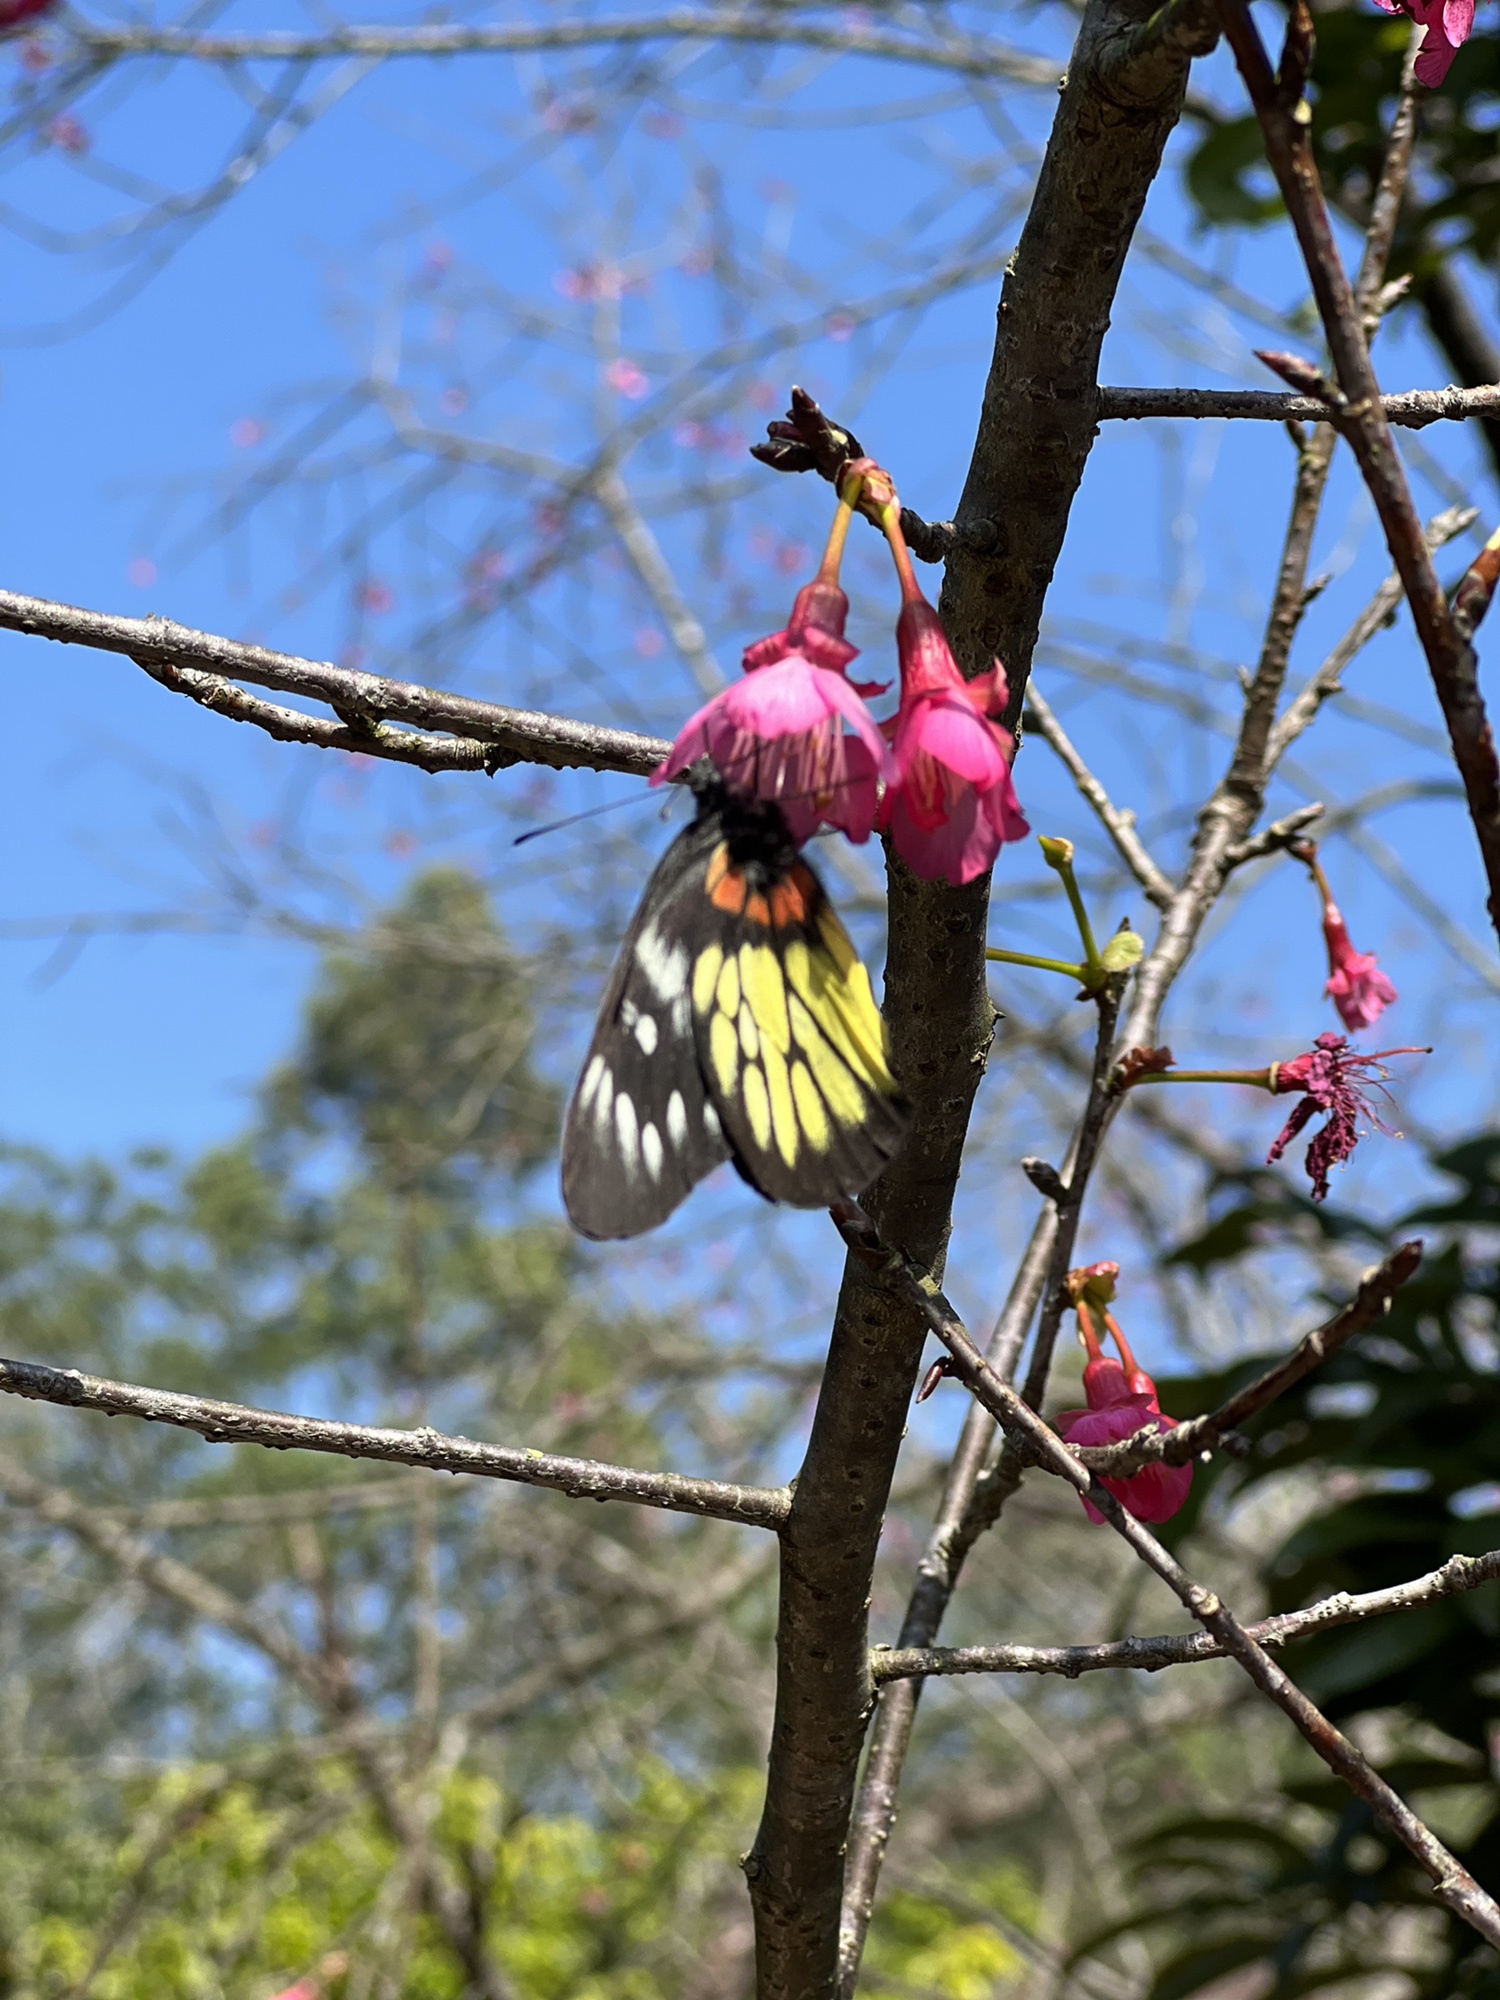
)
(738, 1024)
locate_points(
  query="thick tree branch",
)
(1121, 99)
(207, 664)
(1458, 1574)
(235, 1423)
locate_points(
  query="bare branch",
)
(961, 55)
(1302, 711)
(1455, 1886)
(1120, 826)
(1275, 838)
(504, 736)
(1458, 1574)
(1413, 410)
(1185, 1441)
(1361, 418)
(235, 1423)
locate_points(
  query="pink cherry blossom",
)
(953, 803)
(779, 733)
(1121, 1403)
(1449, 23)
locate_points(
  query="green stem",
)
(1258, 1079)
(1062, 965)
(1085, 928)
(838, 534)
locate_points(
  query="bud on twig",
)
(1302, 376)
(1477, 586)
(1045, 1178)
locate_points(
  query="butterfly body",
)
(738, 1024)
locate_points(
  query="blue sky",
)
(117, 439)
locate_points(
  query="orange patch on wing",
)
(758, 910)
(792, 899)
(725, 884)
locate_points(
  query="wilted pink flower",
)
(1336, 1080)
(14, 12)
(1122, 1402)
(779, 733)
(953, 802)
(1449, 23)
(1356, 985)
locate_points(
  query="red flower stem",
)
(1062, 965)
(890, 522)
(1258, 1079)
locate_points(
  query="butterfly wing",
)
(790, 1040)
(640, 1131)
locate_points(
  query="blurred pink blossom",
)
(246, 432)
(377, 596)
(14, 12)
(627, 379)
(69, 135)
(142, 572)
(839, 326)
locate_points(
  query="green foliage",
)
(418, 1045)
(1453, 201)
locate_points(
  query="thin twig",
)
(1362, 420)
(504, 735)
(236, 1423)
(1118, 824)
(962, 55)
(1455, 1886)
(1198, 1435)
(1302, 711)
(1176, 1649)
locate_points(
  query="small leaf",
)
(1125, 948)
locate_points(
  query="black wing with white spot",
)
(640, 1132)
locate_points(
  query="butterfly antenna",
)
(590, 812)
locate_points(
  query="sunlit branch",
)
(1412, 410)
(235, 1423)
(1458, 1574)
(203, 666)
(961, 55)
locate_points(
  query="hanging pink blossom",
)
(1449, 23)
(1121, 1403)
(779, 734)
(954, 802)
